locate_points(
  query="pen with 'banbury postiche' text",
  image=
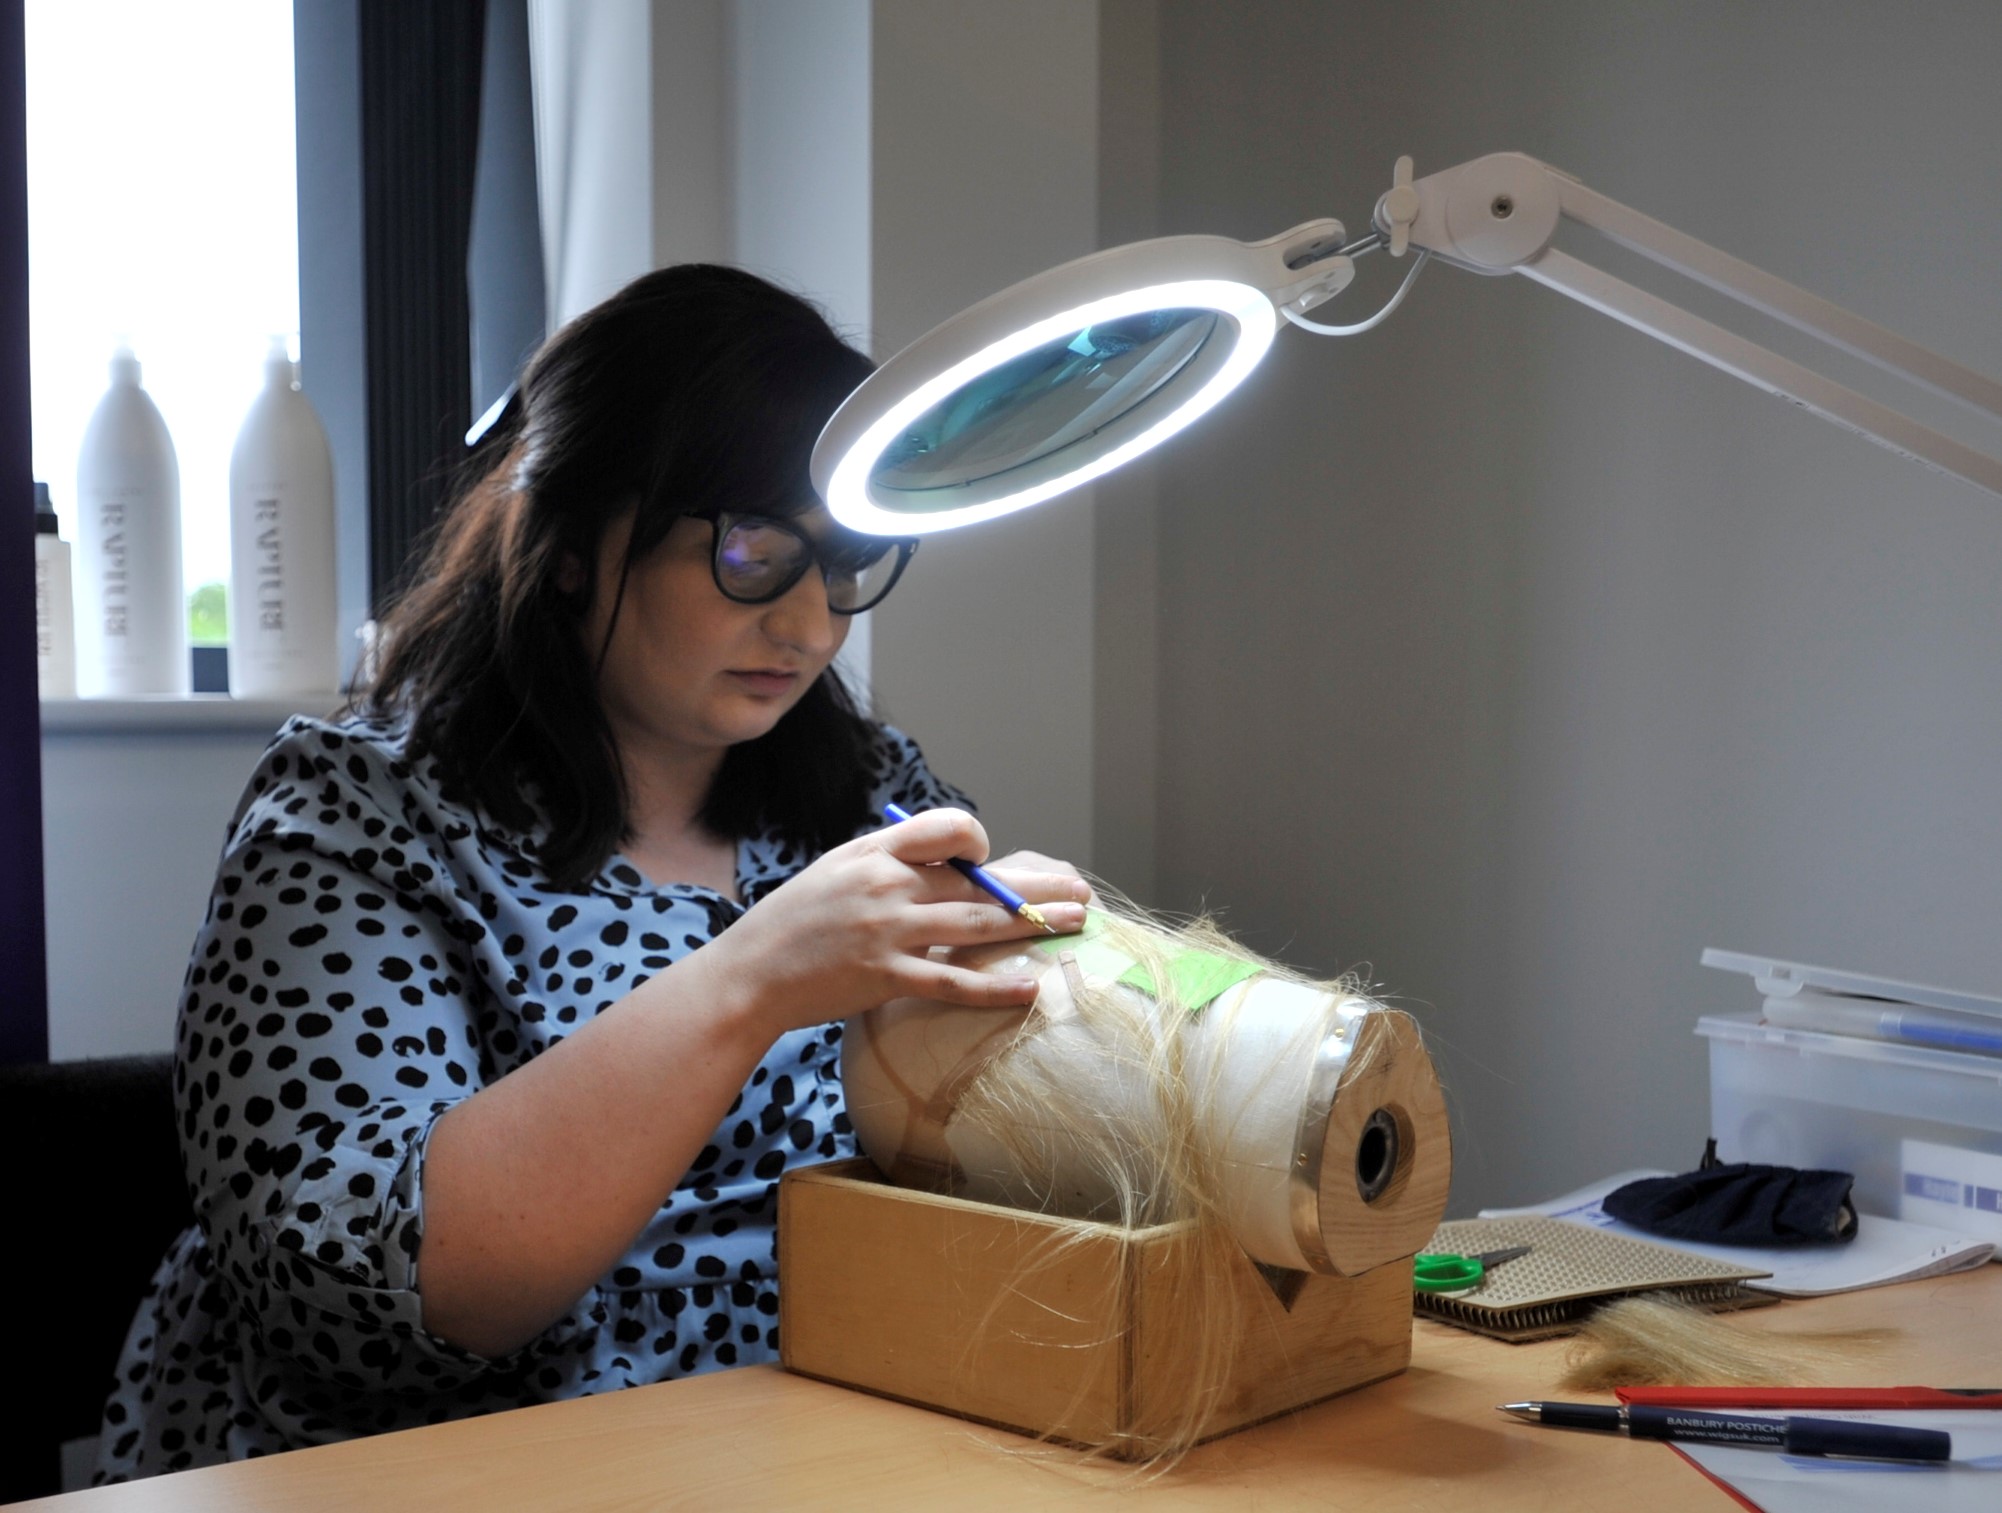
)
(1800, 1436)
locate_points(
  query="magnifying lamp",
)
(1077, 371)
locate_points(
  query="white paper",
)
(1946, 1185)
(1884, 1250)
(1780, 1483)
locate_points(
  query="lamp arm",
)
(1776, 297)
(1762, 368)
(1499, 214)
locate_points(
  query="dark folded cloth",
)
(1740, 1204)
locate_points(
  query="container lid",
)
(1784, 979)
(1750, 1029)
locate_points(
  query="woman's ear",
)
(570, 574)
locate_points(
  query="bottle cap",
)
(124, 366)
(45, 512)
(279, 369)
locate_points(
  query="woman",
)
(513, 997)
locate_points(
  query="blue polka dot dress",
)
(372, 955)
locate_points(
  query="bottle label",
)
(269, 587)
(116, 577)
(281, 586)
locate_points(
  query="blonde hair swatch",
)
(1647, 1342)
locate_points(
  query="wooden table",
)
(760, 1438)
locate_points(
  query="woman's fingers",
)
(937, 835)
(943, 835)
(972, 924)
(1053, 877)
(1041, 886)
(878, 911)
(1065, 917)
(927, 841)
(973, 990)
(1033, 861)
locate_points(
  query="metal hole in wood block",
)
(1376, 1155)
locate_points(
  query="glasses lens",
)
(860, 570)
(759, 559)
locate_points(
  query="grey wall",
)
(983, 171)
(798, 123)
(1519, 657)
(136, 800)
(1125, 506)
(593, 68)
(688, 96)
(800, 150)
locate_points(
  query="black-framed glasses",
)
(758, 558)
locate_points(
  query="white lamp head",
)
(1063, 377)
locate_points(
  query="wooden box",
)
(1077, 1331)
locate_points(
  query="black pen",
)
(1800, 1436)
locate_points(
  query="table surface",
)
(761, 1438)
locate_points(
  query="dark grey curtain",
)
(420, 253)
(24, 996)
(420, 123)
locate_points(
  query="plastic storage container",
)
(1880, 1110)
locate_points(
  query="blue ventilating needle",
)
(1006, 895)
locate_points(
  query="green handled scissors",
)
(1435, 1272)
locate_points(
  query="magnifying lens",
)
(1063, 377)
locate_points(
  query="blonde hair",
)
(1644, 1341)
(1126, 1135)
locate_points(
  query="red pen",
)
(1813, 1397)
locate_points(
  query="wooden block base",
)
(1074, 1331)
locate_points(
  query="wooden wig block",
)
(1318, 1112)
(1062, 1328)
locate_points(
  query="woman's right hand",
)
(857, 927)
(535, 1185)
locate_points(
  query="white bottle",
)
(55, 609)
(281, 544)
(132, 617)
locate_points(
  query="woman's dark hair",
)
(692, 387)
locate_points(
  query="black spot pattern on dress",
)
(373, 954)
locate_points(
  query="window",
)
(162, 210)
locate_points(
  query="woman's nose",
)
(800, 617)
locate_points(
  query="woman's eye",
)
(748, 547)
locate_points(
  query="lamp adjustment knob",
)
(1399, 208)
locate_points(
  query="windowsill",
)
(200, 712)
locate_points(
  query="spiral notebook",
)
(1569, 1271)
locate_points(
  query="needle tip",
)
(1035, 917)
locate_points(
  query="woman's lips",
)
(767, 681)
